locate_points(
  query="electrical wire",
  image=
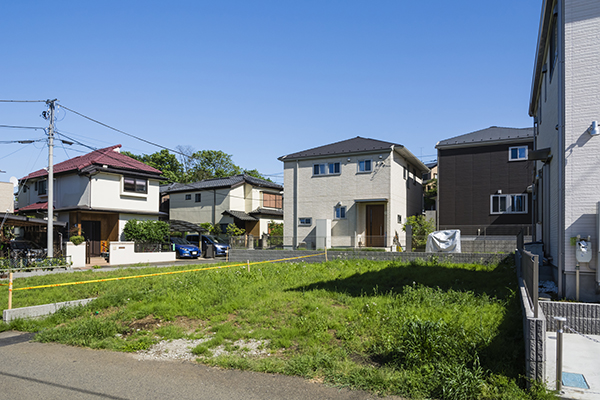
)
(22, 127)
(76, 141)
(124, 133)
(23, 101)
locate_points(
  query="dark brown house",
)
(483, 181)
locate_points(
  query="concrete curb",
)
(40, 311)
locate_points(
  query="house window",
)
(518, 153)
(188, 196)
(198, 197)
(364, 166)
(404, 169)
(508, 204)
(326, 169)
(42, 187)
(305, 221)
(334, 168)
(340, 212)
(399, 218)
(271, 200)
(135, 185)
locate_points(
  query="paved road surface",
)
(31, 370)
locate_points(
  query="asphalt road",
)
(30, 370)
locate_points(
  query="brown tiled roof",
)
(107, 156)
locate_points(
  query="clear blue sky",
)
(261, 79)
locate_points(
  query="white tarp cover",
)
(443, 242)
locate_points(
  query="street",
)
(32, 370)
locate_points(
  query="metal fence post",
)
(559, 351)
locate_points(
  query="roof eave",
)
(545, 18)
(482, 143)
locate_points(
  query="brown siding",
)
(467, 178)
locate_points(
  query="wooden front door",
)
(91, 233)
(375, 225)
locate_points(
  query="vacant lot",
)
(421, 330)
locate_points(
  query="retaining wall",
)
(241, 255)
(40, 311)
(583, 317)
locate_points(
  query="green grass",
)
(421, 330)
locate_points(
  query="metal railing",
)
(139, 247)
(14, 264)
(530, 270)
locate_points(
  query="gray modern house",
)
(565, 104)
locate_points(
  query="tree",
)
(275, 228)
(233, 230)
(162, 160)
(193, 166)
(430, 194)
(421, 228)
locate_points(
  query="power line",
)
(125, 133)
(22, 127)
(23, 101)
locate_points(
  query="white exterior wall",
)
(582, 106)
(107, 193)
(7, 197)
(70, 191)
(575, 94)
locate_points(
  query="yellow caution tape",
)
(160, 273)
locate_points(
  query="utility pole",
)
(51, 104)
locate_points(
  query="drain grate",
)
(574, 380)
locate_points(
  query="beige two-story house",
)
(248, 202)
(97, 192)
(353, 193)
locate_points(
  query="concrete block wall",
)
(241, 255)
(583, 317)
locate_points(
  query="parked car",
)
(220, 246)
(183, 248)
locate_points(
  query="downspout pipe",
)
(561, 144)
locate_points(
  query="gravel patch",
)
(181, 350)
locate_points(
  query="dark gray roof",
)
(239, 215)
(354, 145)
(431, 164)
(489, 136)
(219, 183)
(276, 212)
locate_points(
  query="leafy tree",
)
(211, 229)
(421, 228)
(430, 193)
(233, 230)
(146, 231)
(162, 160)
(275, 228)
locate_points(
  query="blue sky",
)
(261, 79)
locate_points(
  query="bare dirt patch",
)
(181, 350)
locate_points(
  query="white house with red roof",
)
(99, 192)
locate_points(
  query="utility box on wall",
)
(323, 233)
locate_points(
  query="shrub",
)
(146, 231)
(421, 227)
(77, 239)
